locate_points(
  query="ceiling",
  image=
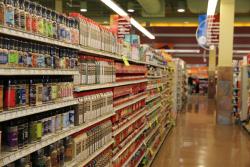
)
(171, 28)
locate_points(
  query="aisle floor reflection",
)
(197, 141)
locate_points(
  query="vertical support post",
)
(225, 71)
(211, 72)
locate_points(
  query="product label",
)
(13, 58)
(40, 61)
(12, 137)
(39, 130)
(40, 26)
(29, 60)
(28, 22)
(54, 91)
(23, 96)
(10, 97)
(22, 20)
(18, 96)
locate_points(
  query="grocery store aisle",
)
(198, 142)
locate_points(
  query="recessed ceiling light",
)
(83, 10)
(181, 10)
(131, 10)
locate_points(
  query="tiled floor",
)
(197, 141)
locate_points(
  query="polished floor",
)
(197, 141)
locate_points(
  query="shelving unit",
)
(116, 117)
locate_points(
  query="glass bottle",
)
(67, 30)
(62, 150)
(28, 16)
(16, 14)
(45, 22)
(11, 136)
(25, 53)
(20, 53)
(10, 95)
(2, 12)
(22, 15)
(29, 48)
(9, 13)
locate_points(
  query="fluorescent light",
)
(211, 7)
(181, 51)
(131, 10)
(83, 10)
(121, 12)
(181, 10)
(115, 7)
(142, 29)
(242, 51)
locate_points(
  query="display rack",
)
(88, 101)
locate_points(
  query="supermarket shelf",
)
(158, 148)
(124, 148)
(129, 103)
(36, 71)
(9, 157)
(155, 65)
(151, 134)
(152, 109)
(21, 112)
(78, 162)
(152, 98)
(131, 156)
(154, 77)
(130, 121)
(39, 38)
(137, 164)
(107, 85)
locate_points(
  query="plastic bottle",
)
(22, 15)
(49, 23)
(34, 22)
(28, 16)
(2, 12)
(17, 14)
(47, 57)
(45, 22)
(54, 24)
(9, 13)
(34, 55)
(3, 51)
(40, 19)
(41, 56)
(10, 94)
(13, 53)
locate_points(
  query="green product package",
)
(13, 58)
(39, 130)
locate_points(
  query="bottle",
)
(22, 15)
(41, 56)
(16, 14)
(25, 54)
(40, 19)
(34, 55)
(45, 22)
(3, 51)
(11, 136)
(68, 143)
(61, 153)
(34, 22)
(54, 24)
(9, 13)
(13, 53)
(10, 94)
(54, 158)
(28, 16)
(20, 54)
(47, 56)
(2, 12)
(49, 23)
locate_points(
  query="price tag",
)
(125, 60)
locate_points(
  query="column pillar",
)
(225, 71)
(59, 6)
(211, 72)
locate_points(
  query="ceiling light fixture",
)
(211, 7)
(181, 50)
(121, 12)
(181, 10)
(83, 10)
(131, 10)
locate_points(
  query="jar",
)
(10, 95)
(9, 13)
(2, 12)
